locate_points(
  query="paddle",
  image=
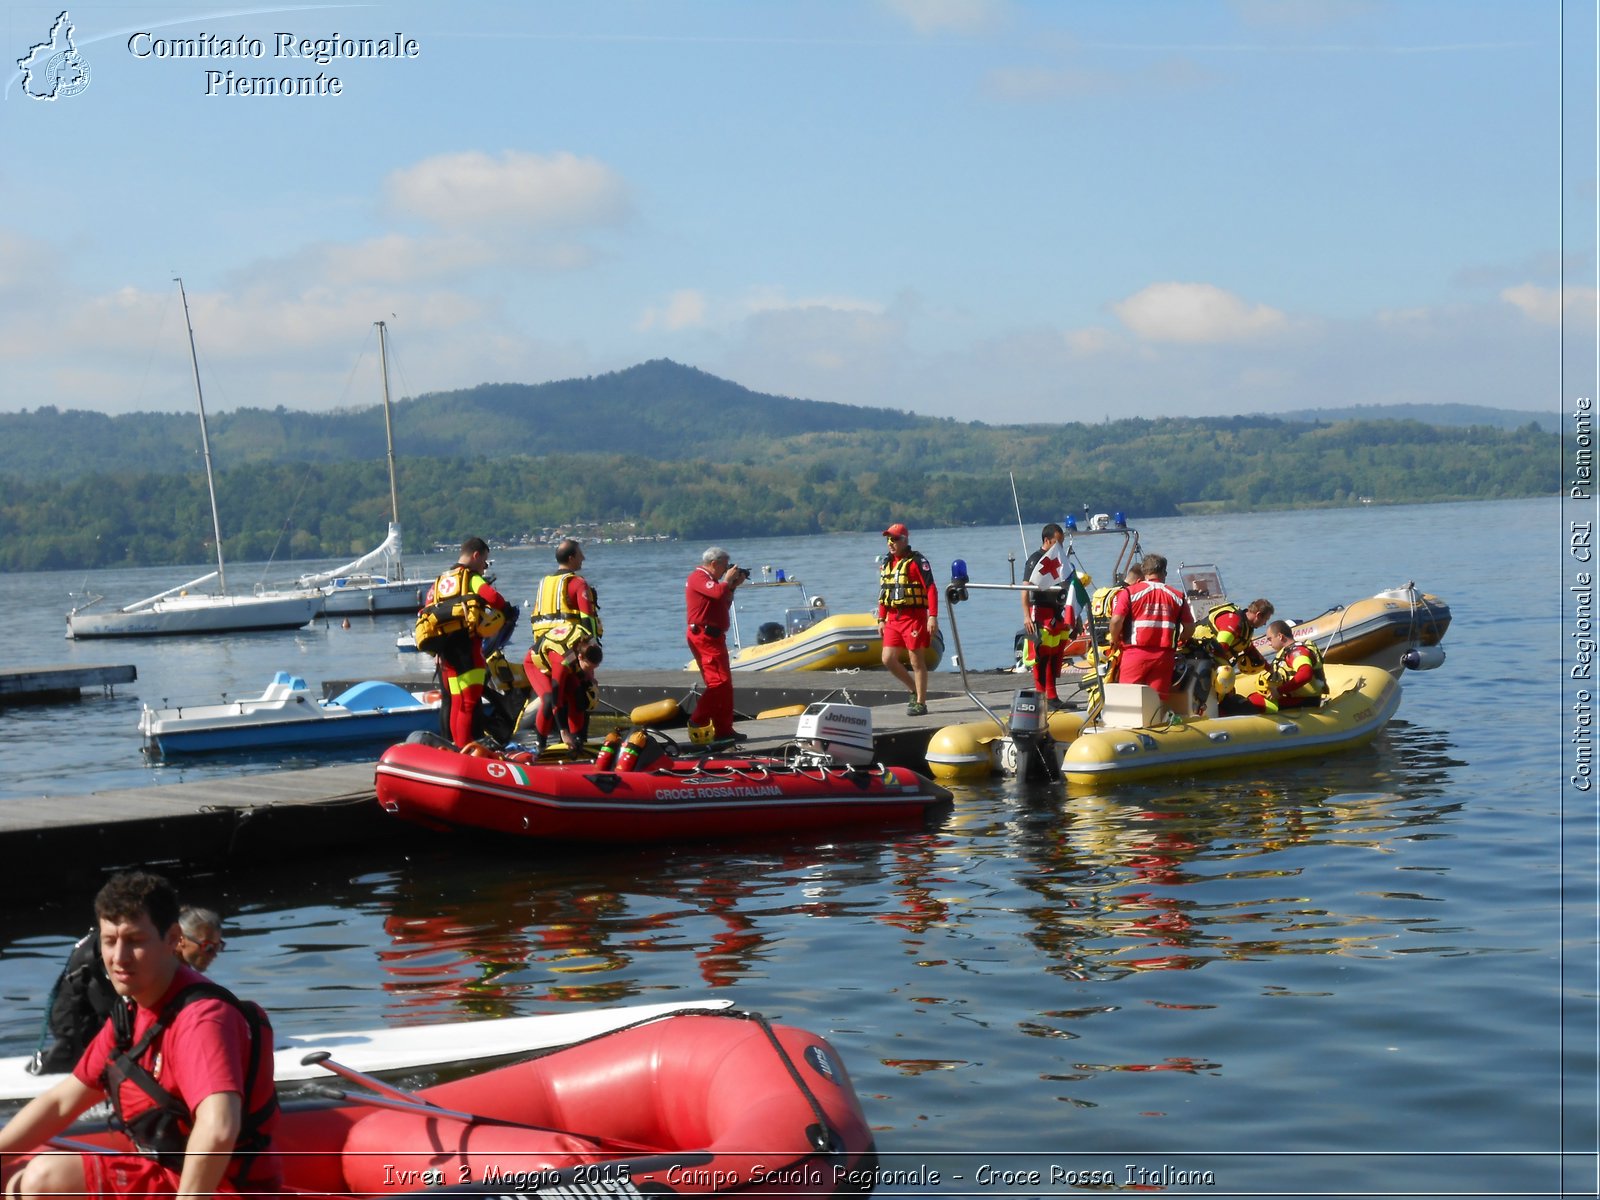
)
(387, 1096)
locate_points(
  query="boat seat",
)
(1130, 706)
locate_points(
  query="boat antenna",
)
(205, 441)
(1017, 504)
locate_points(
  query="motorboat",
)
(412, 1047)
(690, 1103)
(1138, 734)
(810, 638)
(826, 780)
(289, 714)
(1398, 629)
(179, 611)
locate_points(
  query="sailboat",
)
(180, 610)
(375, 582)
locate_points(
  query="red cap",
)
(897, 530)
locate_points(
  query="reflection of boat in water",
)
(810, 638)
(287, 714)
(697, 1103)
(1137, 738)
(664, 797)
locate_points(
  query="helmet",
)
(700, 735)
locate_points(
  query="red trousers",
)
(716, 697)
(1147, 665)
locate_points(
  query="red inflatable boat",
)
(684, 1105)
(670, 798)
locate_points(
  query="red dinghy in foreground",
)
(691, 1105)
(668, 798)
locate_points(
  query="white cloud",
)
(518, 190)
(1195, 313)
(683, 309)
(1546, 306)
(950, 16)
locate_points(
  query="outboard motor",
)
(1028, 751)
(829, 734)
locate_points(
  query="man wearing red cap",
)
(908, 614)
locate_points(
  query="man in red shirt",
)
(708, 601)
(204, 1056)
(1146, 632)
(908, 614)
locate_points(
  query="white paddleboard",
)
(412, 1047)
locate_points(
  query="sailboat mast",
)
(388, 421)
(205, 441)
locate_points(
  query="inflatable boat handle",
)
(384, 1095)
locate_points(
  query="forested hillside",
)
(932, 474)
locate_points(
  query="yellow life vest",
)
(456, 609)
(554, 607)
(897, 589)
(1288, 662)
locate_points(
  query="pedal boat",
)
(288, 714)
(1138, 737)
(689, 1104)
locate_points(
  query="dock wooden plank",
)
(40, 685)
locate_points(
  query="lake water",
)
(1368, 975)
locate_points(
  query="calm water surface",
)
(1355, 976)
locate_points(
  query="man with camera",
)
(709, 601)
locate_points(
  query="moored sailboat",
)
(178, 610)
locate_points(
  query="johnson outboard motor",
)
(1028, 751)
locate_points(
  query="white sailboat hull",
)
(357, 597)
(176, 616)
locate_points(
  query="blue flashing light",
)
(782, 578)
(1071, 523)
(958, 571)
(1119, 519)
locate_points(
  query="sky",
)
(996, 210)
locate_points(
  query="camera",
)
(742, 572)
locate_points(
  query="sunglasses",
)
(219, 945)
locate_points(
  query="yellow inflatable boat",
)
(1137, 738)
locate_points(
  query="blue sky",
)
(989, 209)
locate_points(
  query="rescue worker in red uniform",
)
(186, 1066)
(560, 669)
(1048, 619)
(1224, 639)
(708, 604)
(1296, 678)
(462, 670)
(1146, 634)
(565, 597)
(908, 614)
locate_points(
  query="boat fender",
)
(1423, 658)
(628, 758)
(788, 710)
(655, 713)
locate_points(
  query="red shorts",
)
(136, 1175)
(907, 627)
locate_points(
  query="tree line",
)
(932, 474)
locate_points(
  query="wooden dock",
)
(50, 685)
(74, 840)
